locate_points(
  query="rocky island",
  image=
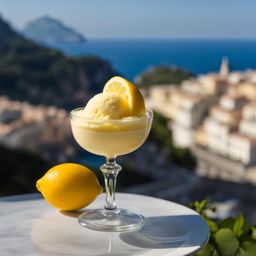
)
(49, 30)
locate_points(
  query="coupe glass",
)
(110, 138)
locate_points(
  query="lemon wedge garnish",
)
(129, 92)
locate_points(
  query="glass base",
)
(118, 220)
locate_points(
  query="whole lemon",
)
(69, 186)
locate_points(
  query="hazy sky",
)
(142, 18)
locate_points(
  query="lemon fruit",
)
(69, 186)
(128, 91)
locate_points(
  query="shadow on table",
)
(164, 231)
(73, 214)
(169, 232)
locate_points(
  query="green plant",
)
(228, 237)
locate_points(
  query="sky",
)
(142, 18)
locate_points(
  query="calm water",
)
(132, 57)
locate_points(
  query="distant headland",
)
(50, 30)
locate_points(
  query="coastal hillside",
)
(49, 30)
(162, 75)
(7, 35)
(39, 75)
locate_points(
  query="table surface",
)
(29, 226)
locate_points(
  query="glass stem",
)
(110, 171)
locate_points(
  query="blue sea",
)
(131, 57)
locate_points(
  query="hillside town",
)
(36, 129)
(214, 115)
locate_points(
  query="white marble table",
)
(29, 226)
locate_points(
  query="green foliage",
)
(29, 72)
(183, 157)
(227, 243)
(229, 237)
(161, 134)
(163, 75)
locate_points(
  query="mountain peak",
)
(47, 29)
(47, 20)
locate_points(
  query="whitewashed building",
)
(242, 148)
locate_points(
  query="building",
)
(215, 115)
(160, 99)
(189, 115)
(224, 67)
(242, 148)
(39, 129)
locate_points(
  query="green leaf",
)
(227, 243)
(249, 248)
(253, 232)
(208, 250)
(227, 223)
(200, 206)
(203, 204)
(247, 231)
(212, 225)
(241, 252)
(238, 226)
